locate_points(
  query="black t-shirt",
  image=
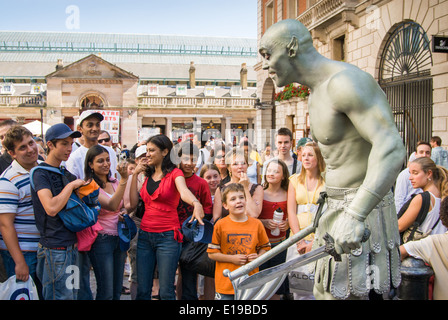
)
(53, 232)
(5, 161)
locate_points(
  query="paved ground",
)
(125, 283)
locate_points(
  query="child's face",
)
(235, 202)
(131, 168)
(187, 164)
(62, 149)
(213, 178)
(274, 173)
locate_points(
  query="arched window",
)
(407, 54)
(405, 77)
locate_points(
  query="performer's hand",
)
(347, 233)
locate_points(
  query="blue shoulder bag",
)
(76, 215)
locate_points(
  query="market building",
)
(142, 83)
(401, 43)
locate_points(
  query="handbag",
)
(76, 215)
(140, 210)
(194, 257)
(414, 232)
(301, 279)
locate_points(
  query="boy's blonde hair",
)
(233, 187)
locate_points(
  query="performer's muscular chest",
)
(328, 126)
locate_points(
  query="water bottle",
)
(277, 218)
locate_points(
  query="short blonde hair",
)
(233, 187)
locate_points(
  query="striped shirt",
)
(15, 197)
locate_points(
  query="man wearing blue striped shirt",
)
(18, 233)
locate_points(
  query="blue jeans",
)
(31, 261)
(84, 292)
(55, 271)
(189, 280)
(108, 264)
(159, 249)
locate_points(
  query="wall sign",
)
(440, 44)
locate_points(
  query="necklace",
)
(309, 203)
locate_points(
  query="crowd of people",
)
(164, 185)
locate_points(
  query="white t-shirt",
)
(75, 163)
(432, 250)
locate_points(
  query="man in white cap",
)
(89, 124)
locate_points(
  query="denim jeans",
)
(84, 292)
(161, 249)
(108, 264)
(31, 261)
(55, 271)
(189, 280)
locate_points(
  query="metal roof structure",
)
(34, 54)
(78, 42)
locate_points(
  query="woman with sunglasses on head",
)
(219, 159)
(159, 237)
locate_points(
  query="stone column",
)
(228, 133)
(169, 127)
(243, 76)
(192, 72)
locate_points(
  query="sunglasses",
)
(103, 140)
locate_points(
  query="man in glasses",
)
(89, 124)
(105, 139)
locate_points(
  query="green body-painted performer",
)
(352, 121)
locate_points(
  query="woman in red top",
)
(159, 238)
(275, 196)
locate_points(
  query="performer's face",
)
(277, 61)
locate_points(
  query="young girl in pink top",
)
(105, 255)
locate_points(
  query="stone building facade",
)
(390, 39)
(146, 83)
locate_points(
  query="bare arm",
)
(53, 204)
(356, 94)
(188, 197)
(254, 204)
(237, 259)
(217, 205)
(292, 209)
(409, 216)
(9, 235)
(134, 188)
(113, 203)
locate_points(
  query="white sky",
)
(224, 18)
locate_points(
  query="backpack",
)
(76, 215)
(413, 230)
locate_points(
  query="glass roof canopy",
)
(11, 41)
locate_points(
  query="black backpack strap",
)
(294, 166)
(426, 201)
